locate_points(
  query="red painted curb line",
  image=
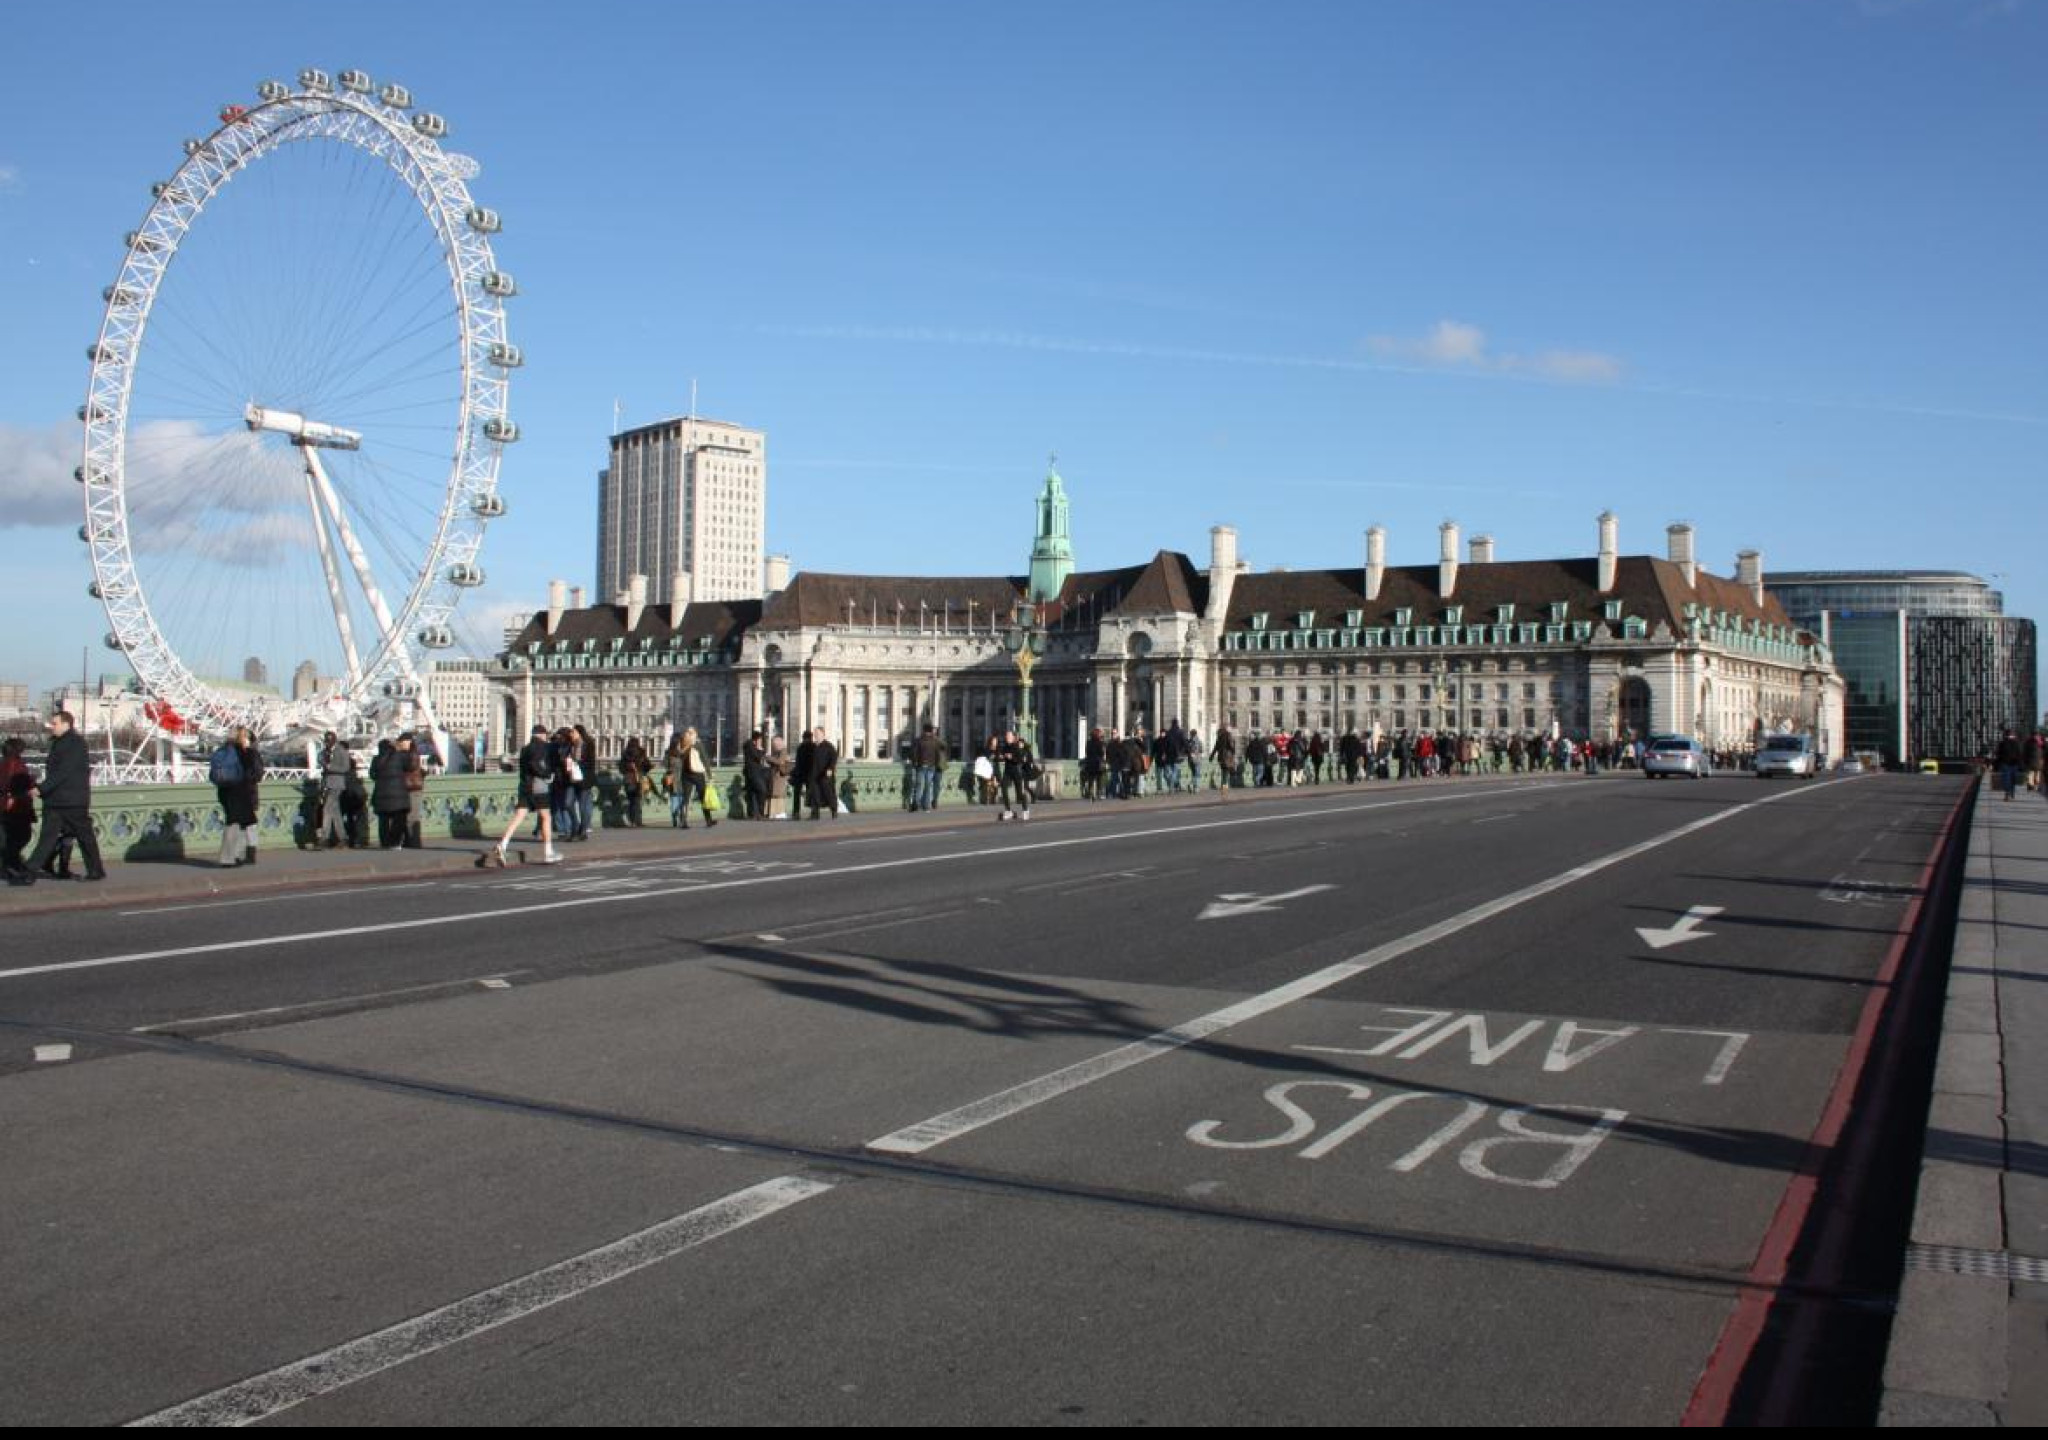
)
(1714, 1395)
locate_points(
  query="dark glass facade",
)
(1870, 651)
(1969, 679)
(1933, 667)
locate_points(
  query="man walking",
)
(66, 793)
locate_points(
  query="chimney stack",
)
(1681, 552)
(1610, 550)
(775, 574)
(1223, 569)
(1749, 572)
(558, 596)
(636, 601)
(678, 598)
(576, 598)
(1447, 559)
(1482, 549)
(1375, 560)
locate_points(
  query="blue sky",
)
(1774, 267)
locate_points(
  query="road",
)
(1469, 1102)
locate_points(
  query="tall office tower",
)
(255, 672)
(685, 497)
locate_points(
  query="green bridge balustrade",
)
(174, 822)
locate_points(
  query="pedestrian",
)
(336, 766)
(236, 770)
(754, 775)
(388, 795)
(17, 803)
(928, 760)
(585, 789)
(66, 794)
(412, 771)
(1019, 769)
(824, 774)
(779, 765)
(2008, 758)
(633, 768)
(687, 778)
(536, 774)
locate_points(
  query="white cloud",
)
(10, 179)
(254, 510)
(1456, 345)
(36, 487)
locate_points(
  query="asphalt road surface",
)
(1456, 1103)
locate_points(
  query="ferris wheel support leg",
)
(333, 573)
(356, 556)
(361, 562)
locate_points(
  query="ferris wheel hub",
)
(301, 430)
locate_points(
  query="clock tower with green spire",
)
(1052, 553)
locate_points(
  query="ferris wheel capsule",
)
(490, 507)
(433, 126)
(396, 97)
(315, 80)
(271, 91)
(357, 81)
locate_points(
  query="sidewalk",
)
(1970, 1340)
(282, 868)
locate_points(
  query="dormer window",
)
(1304, 619)
(1557, 609)
(1259, 620)
(1404, 617)
(1454, 615)
(1612, 609)
(1353, 619)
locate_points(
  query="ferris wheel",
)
(293, 475)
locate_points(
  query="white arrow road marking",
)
(1226, 906)
(1687, 927)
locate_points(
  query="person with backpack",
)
(236, 769)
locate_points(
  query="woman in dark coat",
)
(388, 795)
(17, 803)
(238, 802)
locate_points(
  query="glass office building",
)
(1933, 666)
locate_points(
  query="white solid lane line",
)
(780, 878)
(925, 1134)
(262, 1396)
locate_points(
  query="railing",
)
(176, 821)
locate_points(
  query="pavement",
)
(1431, 1102)
(1970, 1340)
(282, 870)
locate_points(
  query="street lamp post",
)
(1025, 639)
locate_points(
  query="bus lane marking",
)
(963, 1120)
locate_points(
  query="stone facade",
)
(1605, 646)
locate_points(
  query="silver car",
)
(1675, 755)
(1787, 755)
